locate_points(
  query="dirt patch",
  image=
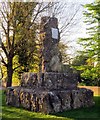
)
(95, 89)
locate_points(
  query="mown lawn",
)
(92, 113)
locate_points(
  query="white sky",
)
(79, 30)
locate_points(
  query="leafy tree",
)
(19, 31)
(79, 60)
(26, 46)
(91, 44)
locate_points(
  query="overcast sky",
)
(79, 29)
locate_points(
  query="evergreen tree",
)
(91, 44)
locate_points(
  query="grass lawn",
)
(92, 113)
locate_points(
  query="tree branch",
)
(16, 67)
(8, 39)
(3, 15)
(4, 49)
(3, 61)
(4, 29)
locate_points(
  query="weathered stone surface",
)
(65, 97)
(49, 101)
(49, 80)
(45, 104)
(12, 96)
(51, 57)
(25, 99)
(29, 80)
(82, 98)
(55, 101)
(33, 101)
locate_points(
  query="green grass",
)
(92, 113)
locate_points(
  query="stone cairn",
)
(50, 90)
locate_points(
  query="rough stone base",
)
(47, 102)
(49, 80)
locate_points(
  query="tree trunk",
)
(9, 73)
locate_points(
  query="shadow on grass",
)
(91, 113)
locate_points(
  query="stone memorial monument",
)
(51, 57)
(50, 90)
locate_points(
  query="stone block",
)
(55, 101)
(88, 97)
(82, 98)
(29, 80)
(49, 80)
(12, 96)
(59, 81)
(65, 97)
(45, 105)
(25, 99)
(49, 101)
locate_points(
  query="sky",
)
(79, 30)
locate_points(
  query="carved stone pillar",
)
(49, 35)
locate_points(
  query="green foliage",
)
(79, 60)
(20, 45)
(91, 45)
(26, 47)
